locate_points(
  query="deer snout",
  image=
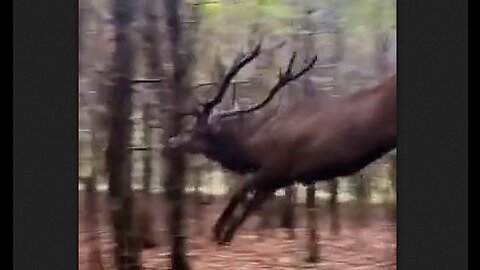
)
(178, 141)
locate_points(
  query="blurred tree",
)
(333, 204)
(288, 214)
(144, 215)
(313, 247)
(82, 17)
(362, 190)
(175, 164)
(94, 254)
(118, 156)
(308, 41)
(198, 198)
(288, 217)
(147, 156)
(91, 184)
(393, 180)
(151, 46)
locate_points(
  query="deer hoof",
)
(224, 243)
(216, 232)
(227, 238)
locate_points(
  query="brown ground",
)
(370, 247)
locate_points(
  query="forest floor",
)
(369, 246)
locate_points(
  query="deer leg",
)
(254, 204)
(259, 181)
(237, 198)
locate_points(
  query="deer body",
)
(313, 140)
(338, 139)
(309, 143)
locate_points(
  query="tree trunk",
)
(393, 180)
(287, 219)
(92, 223)
(309, 48)
(151, 51)
(82, 21)
(95, 103)
(175, 160)
(147, 155)
(144, 216)
(94, 254)
(144, 226)
(313, 247)
(288, 215)
(95, 259)
(118, 156)
(333, 204)
(265, 213)
(198, 200)
(362, 194)
(393, 170)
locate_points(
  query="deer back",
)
(337, 138)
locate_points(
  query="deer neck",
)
(228, 149)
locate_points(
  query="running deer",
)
(317, 139)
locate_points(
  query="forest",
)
(147, 203)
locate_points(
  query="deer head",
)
(214, 133)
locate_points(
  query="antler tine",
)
(238, 58)
(240, 61)
(290, 63)
(283, 79)
(305, 69)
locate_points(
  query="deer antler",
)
(240, 61)
(283, 79)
